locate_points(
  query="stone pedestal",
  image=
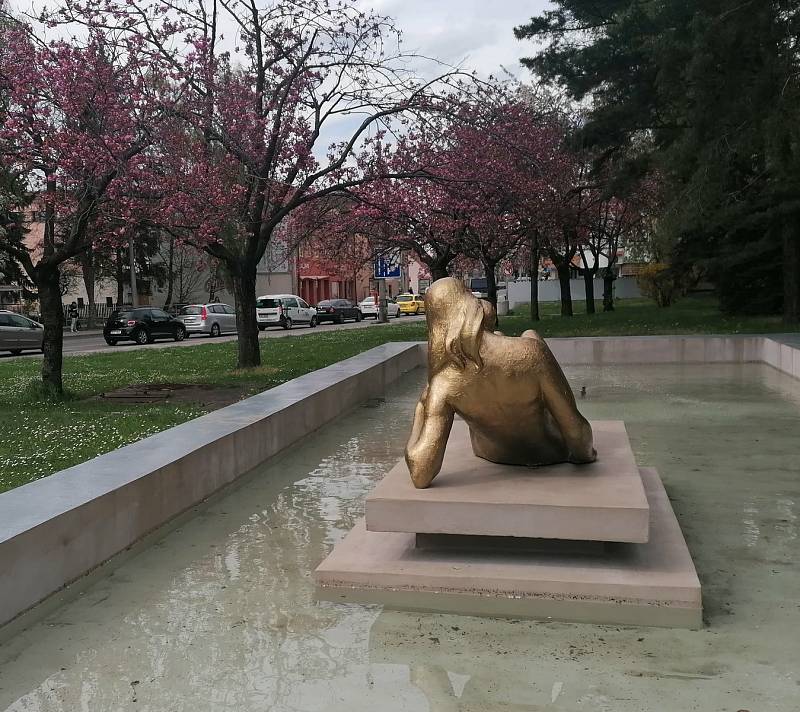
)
(602, 501)
(596, 543)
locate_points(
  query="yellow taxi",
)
(410, 304)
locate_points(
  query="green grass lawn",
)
(692, 315)
(41, 437)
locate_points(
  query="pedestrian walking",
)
(73, 317)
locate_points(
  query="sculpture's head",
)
(456, 322)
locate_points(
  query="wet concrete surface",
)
(220, 614)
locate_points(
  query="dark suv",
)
(143, 325)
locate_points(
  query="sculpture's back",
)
(510, 391)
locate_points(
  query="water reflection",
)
(454, 671)
(787, 521)
(750, 519)
(221, 614)
(437, 686)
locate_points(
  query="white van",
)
(284, 310)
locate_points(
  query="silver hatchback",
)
(18, 333)
(212, 319)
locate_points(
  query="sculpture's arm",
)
(575, 429)
(433, 419)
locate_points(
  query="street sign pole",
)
(387, 266)
(383, 314)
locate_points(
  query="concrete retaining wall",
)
(550, 291)
(783, 353)
(604, 350)
(56, 529)
(780, 351)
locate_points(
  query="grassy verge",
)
(40, 437)
(693, 315)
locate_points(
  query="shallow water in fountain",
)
(219, 613)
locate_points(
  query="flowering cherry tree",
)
(418, 216)
(488, 163)
(256, 103)
(508, 156)
(80, 118)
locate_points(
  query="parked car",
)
(479, 287)
(142, 325)
(18, 333)
(212, 319)
(284, 310)
(411, 304)
(338, 310)
(369, 307)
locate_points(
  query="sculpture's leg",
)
(575, 429)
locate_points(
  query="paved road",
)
(92, 342)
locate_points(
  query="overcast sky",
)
(478, 32)
(472, 34)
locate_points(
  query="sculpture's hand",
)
(433, 419)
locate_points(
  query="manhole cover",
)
(207, 396)
(148, 392)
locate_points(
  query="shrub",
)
(661, 283)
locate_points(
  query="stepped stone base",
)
(653, 583)
(601, 501)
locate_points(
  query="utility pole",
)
(134, 290)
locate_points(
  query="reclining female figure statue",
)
(510, 390)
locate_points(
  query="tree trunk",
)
(212, 283)
(182, 292)
(48, 284)
(87, 268)
(120, 277)
(588, 284)
(791, 273)
(534, 273)
(535, 297)
(566, 293)
(491, 284)
(132, 263)
(438, 271)
(170, 271)
(244, 292)
(608, 289)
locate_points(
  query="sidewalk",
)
(82, 332)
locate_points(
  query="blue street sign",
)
(387, 267)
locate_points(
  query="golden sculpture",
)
(510, 390)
